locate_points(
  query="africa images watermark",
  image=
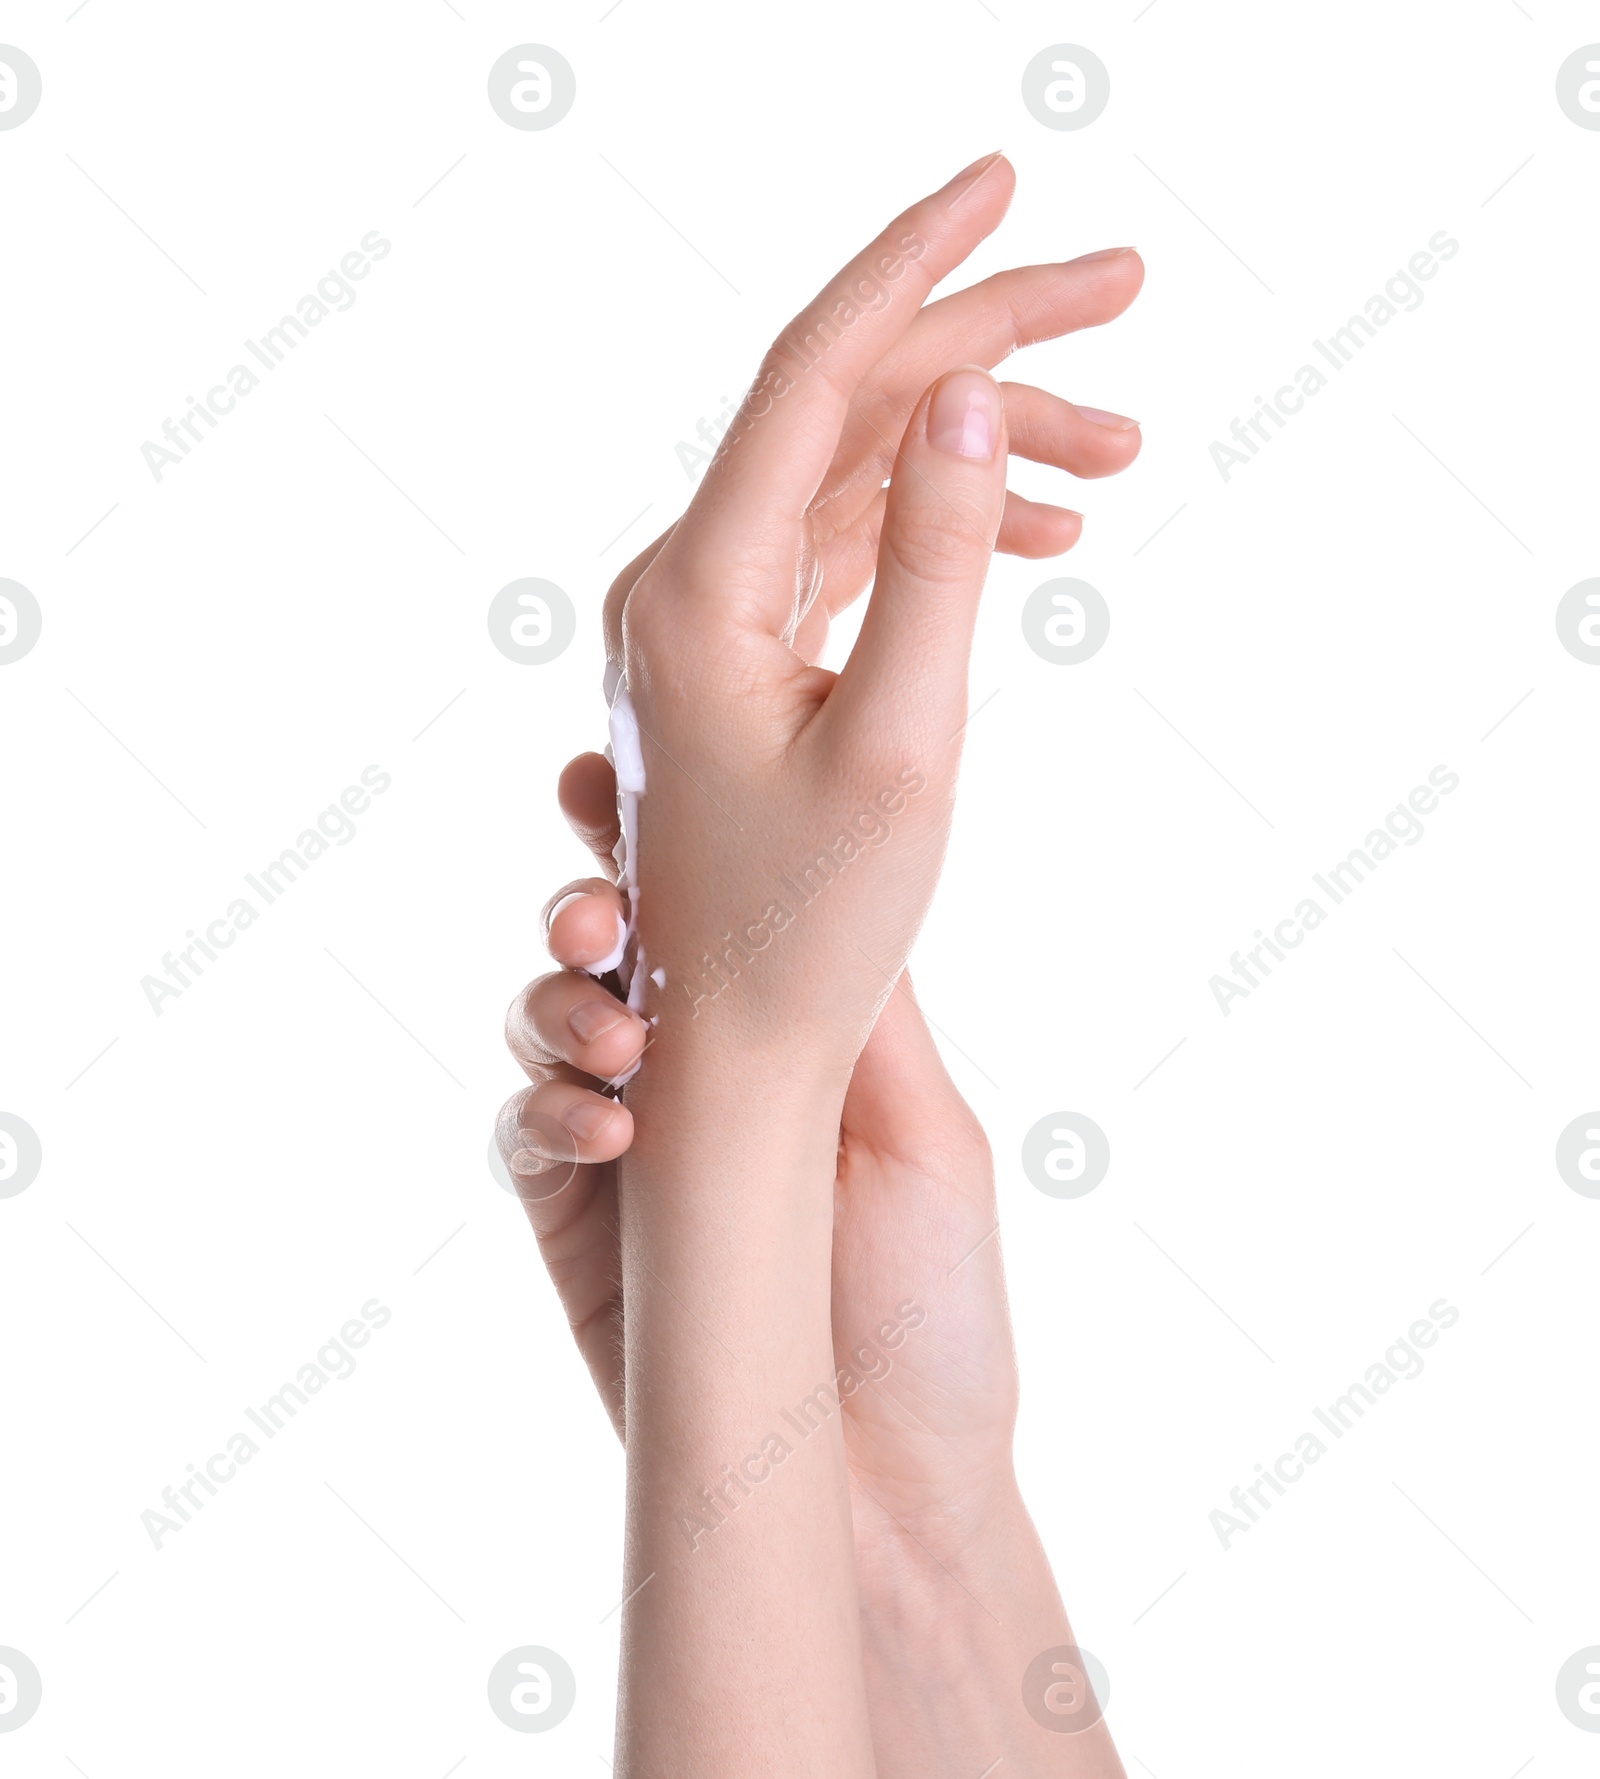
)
(869, 1364)
(1402, 293)
(806, 347)
(867, 828)
(709, 430)
(1402, 826)
(335, 292)
(334, 827)
(333, 1363)
(1401, 1362)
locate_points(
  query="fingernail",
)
(1113, 422)
(1088, 259)
(980, 166)
(593, 1019)
(565, 902)
(597, 966)
(964, 415)
(587, 1118)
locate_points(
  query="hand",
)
(758, 762)
(785, 803)
(915, 1117)
(981, 325)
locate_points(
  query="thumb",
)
(945, 501)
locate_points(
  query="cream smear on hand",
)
(627, 757)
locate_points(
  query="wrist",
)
(704, 1088)
(908, 1550)
(957, 1611)
(775, 1028)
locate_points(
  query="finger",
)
(778, 449)
(586, 927)
(571, 1018)
(573, 1209)
(983, 325)
(1086, 442)
(1022, 306)
(560, 1125)
(1030, 529)
(909, 665)
(587, 793)
(1027, 528)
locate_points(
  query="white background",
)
(303, 1129)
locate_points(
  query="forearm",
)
(957, 1612)
(741, 1645)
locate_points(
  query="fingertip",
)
(985, 166)
(966, 415)
(1060, 528)
(602, 1128)
(611, 1051)
(558, 908)
(1123, 267)
(1117, 441)
(586, 932)
(975, 200)
(547, 1134)
(1034, 531)
(587, 790)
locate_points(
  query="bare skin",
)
(794, 1193)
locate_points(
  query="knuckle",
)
(509, 1121)
(939, 544)
(521, 1016)
(780, 364)
(653, 619)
